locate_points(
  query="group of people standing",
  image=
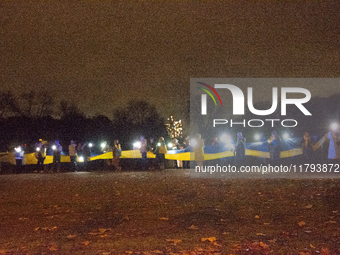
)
(158, 148)
(274, 146)
(76, 151)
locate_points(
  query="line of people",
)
(80, 152)
(275, 143)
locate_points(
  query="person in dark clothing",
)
(40, 154)
(307, 147)
(185, 145)
(57, 149)
(215, 144)
(274, 147)
(240, 150)
(152, 146)
(19, 154)
(72, 152)
(86, 155)
(144, 151)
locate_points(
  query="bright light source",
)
(103, 145)
(90, 145)
(268, 141)
(81, 159)
(158, 144)
(225, 138)
(37, 149)
(54, 147)
(193, 142)
(170, 145)
(137, 145)
(334, 126)
(286, 136)
(18, 149)
(257, 137)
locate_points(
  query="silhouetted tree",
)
(138, 118)
(8, 104)
(67, 108)
(34, 104)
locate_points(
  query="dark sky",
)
(101, 55)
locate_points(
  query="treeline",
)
(31, 116)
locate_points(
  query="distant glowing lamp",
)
(193, 142)
(170, 145)
(37, 149)
(54, 147)
(227, 140)
(137, 145)
(90, 145)
(103, 145)
(18, 149)
(257, 137)
(286, 136)
(81, 159)
(334, 126)
(158, 144)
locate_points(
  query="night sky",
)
(101, 55)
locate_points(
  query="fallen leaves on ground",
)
(325, 251)
(302, 223)
(252, 248)
(260, 234)
(53, 247)
(100, 232)
(86, 243)
(45, 228)
(174, 241)
(210, 239)
(192, 227)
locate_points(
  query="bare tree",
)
(68, 109)
(138, 118)
(8, 104)
(33, 104)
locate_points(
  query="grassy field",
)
(167, 213)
